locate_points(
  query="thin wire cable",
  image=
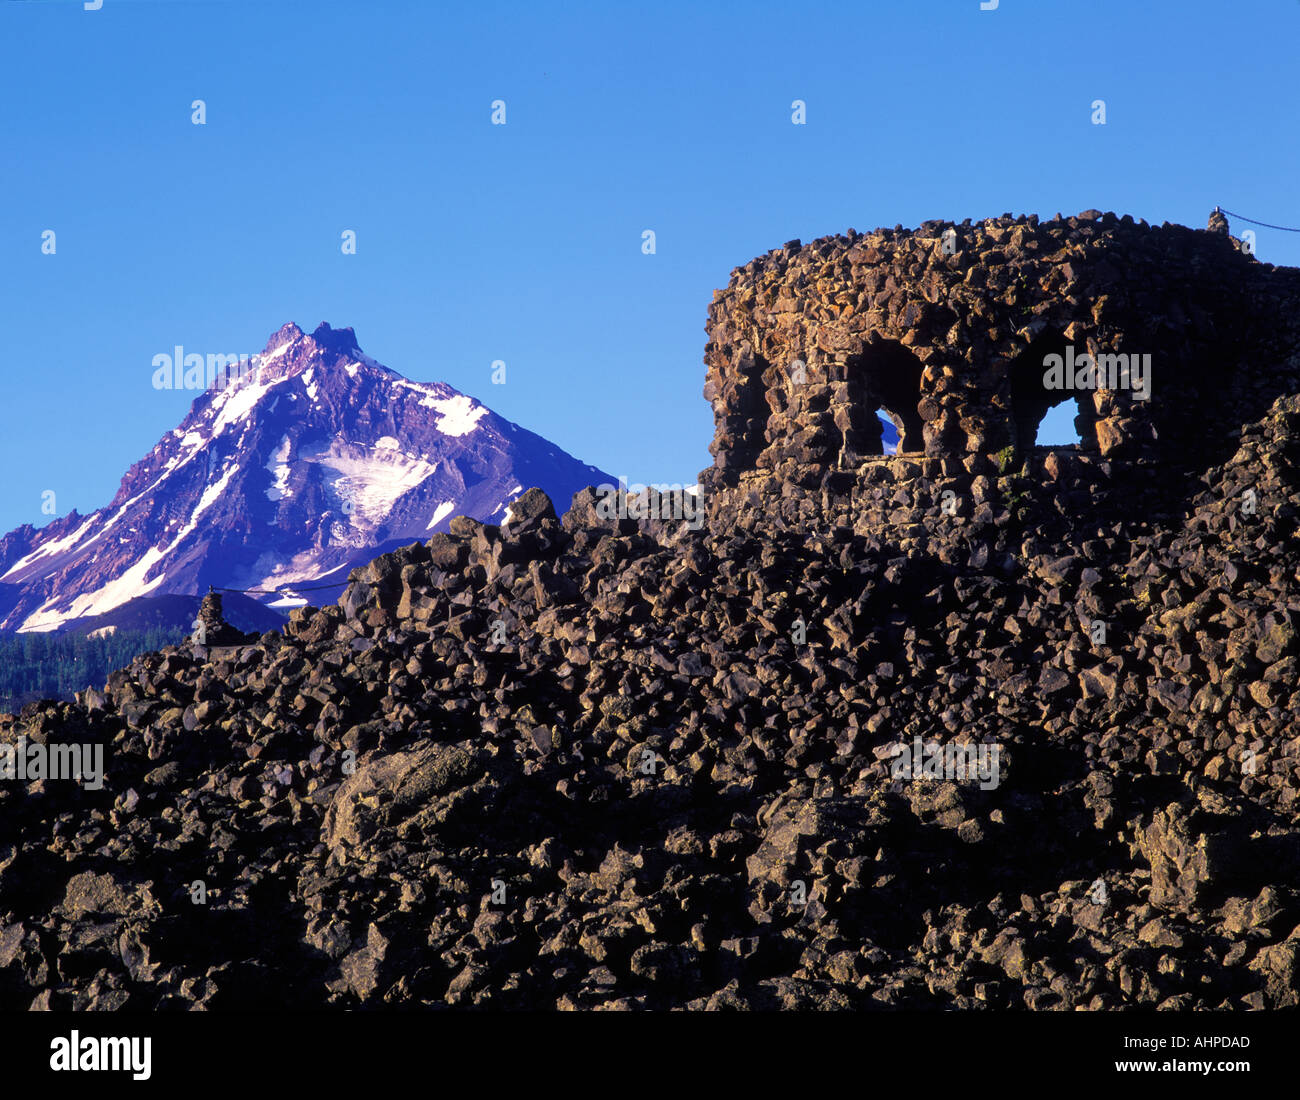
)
(1266, 225)
(282, 591)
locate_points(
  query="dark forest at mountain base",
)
(55, 666)
(38, 665)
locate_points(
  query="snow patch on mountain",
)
(270, 571)
(52, 548)
(442, 511)
(459, 415)
(239, 399)
(367, 481)
(129, 585)
(212, 494)
(271, 357)
(278, 465)
(288, 603)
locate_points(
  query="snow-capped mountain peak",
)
(304, 463)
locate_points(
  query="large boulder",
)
(387, 789)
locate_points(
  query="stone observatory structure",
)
(949, 329)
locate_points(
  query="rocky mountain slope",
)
(290, 474)
(620, 763)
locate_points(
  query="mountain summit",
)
(291, 473)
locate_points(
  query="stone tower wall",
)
(808, 341)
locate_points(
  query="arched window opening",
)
(882, 393)
(1051, 403)
(897, 377)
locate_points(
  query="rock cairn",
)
(210, 627)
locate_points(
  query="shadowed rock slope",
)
(619, 763)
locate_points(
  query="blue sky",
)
(523, 242)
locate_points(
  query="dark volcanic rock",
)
(955, 729)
